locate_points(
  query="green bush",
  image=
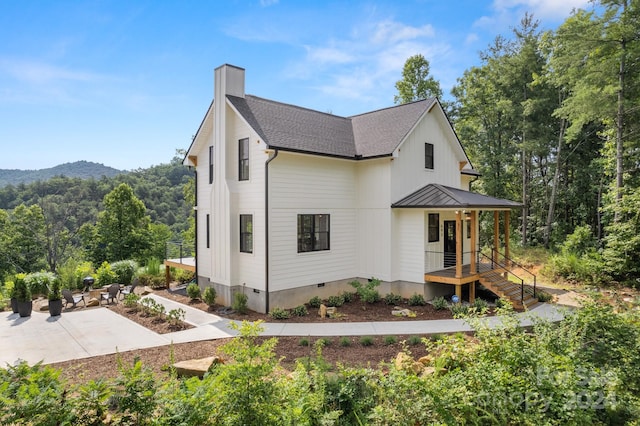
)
(153, 266)
(55, 293)
(347, 296)
(240, 303)
(393, 299)
(131, 300)
(345, 342)
(417, 300)
(322, 342)
(366, 341)
(300, 311)
(315, 302)
(414, 340)
(124, 271)
(279, 314)
(22, 290)
(544, 296)
(335, 301)
(458, 310)
(440, 303)
(481, 305)
(209, 296)
(39, 282)
(193, 291)
(176, 316)
(368, 292)
(105, 275)
(83, 270)
(304, 341)
(183, 276)
(153, 281)
(390, 340)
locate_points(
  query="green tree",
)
(122, 230)
(416, 83)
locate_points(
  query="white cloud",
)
(390, 31)
(42, 73)
(543, 9)
(328, 55)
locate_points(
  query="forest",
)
(549, 118)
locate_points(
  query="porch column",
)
(473, 219)
(507, 214)
(458, 244)
(167, 275)
(472, 292)
(496, 235)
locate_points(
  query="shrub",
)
(150, 307)
(440, 303)
(176, 316)
(335, 301)
(22, 290)
(368, 292)
(393, 299)
(322, 342)
(153, 281)
(481, 305)
(84, 269)
(303, 341)
(459, 310)
(39, 282)
(300, 311)
(153, 266)
(279, 314)
(417, 300)
(345, 342)
(315, 302)
(366, 340)
(183, 276)
(54, 291)
(193, 291)
(105, 275)
(544, 296)
(390, 340)
(209, 296)
(240, 303)
(348, 296)
(124, 270)
(131, 300)
(414, 340)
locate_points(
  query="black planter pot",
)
(55, 307)
(14, 305)
(25, 308)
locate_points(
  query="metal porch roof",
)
(440, 196)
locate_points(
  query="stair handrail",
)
(494, 260)
(510, 261)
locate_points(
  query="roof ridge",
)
(446, 190)
(432, 99)
(297, 107)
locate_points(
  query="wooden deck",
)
(188, 263)
(448, 275)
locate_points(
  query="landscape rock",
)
(93, 302)
(331, 311)
(146, 290)
(196, 367)
(400, 312)
(322, 311)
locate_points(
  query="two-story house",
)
(294, 203)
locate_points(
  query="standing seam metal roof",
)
(441, 196)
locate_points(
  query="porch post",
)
(507, 214)
(496, 235)
(472, 292)
(473, 219)
(458, 244)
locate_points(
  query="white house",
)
(293, 203)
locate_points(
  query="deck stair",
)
(496, 279)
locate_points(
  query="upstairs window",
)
(434, 227)
(246, 233)
(313, 232)
(243, 159)
(211, 164)
(428, 156)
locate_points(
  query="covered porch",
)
(452, 253)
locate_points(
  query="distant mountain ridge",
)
(79, 169)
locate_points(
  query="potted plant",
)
(55, 298)
(14, 301)
(23, 295)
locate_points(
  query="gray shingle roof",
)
(290, 127)
(440, 196)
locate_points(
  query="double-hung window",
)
(313, 232)
(243, 159)
(428, 156)
(211, 164)
(434, 227)
(246, 233)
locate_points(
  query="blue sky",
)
(126, 83)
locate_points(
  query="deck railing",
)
(179, 250)
(438, 260)
(499, 261)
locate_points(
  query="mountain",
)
(80, 169)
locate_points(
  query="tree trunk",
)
(554, 187)
(620, 126)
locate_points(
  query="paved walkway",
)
(92, 332)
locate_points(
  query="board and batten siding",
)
(409, 244)
(408, 173)
(302, 184)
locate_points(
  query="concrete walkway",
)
(92, 332)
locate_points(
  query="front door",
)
(449, 243)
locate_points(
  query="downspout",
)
(266, 228)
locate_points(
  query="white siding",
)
(311, 185)
(408, 245)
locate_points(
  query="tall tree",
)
(416, 83)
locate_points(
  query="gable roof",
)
(293, 128)
(441, 196)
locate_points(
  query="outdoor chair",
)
(110, 294)
(129, 289)
(73, 299)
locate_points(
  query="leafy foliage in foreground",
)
(583, 370)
